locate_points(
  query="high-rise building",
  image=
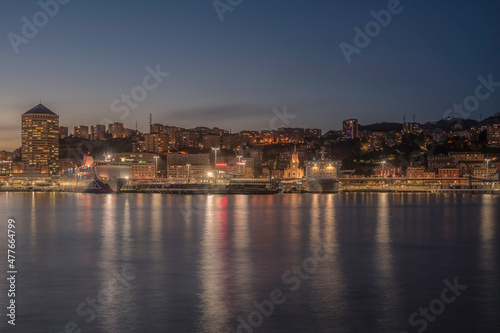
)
(138, 146)
(63, 132)
(156, 128)
(98, 132)
(494, 134)
(350, 128)
(40, 140)
(81, 131)
(116, 130)
(210, 141)
(156, 143)
(411, 128)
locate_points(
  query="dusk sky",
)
(263, 55)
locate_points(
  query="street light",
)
(215, 163)
(383, 169)
(156, 167)
(487, 166)
(188, 165)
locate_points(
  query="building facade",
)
(98, 132)
(293, 171)
(143, 170)
(81, 131)
(350, 128)
(156, 143)
(40, 140)
(494, 134)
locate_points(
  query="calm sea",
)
(284, 263)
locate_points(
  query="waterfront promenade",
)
(264, 186)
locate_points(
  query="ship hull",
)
(322, 186)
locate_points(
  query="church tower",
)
(293, 171)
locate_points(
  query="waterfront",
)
(169, 263)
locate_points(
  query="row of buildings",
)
(377, 140)
(162, 138)
(152, 154)
(451, 165)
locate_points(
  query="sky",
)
(232, 73)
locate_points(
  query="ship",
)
(97, 186)
(322, 176)
(113, 174)
(96, 176)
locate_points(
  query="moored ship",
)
(96, 177)
(322, 176)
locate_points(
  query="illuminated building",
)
(448, 173)
(138, 146)
(293, 171)
(116, 130)
(350, 128)
(494, 134)
(40, 140)
(411, 128)
(81, 131)
(156, 143)
(156, 129)
(63, 132)
(143, 170)
(98, 132)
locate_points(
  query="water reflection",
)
(215, 304)
(488, 255)
(243, 263)
(383, 261)
(200, 272)
(328, 281)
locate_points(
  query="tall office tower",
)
(350, 128)
(40, 140)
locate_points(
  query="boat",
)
(97, 186)
(322, 176)
(90, 176)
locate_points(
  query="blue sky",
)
(264, 55)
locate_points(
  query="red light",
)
(221, 164)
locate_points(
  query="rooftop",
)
(39, 109)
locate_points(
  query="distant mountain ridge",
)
(445, 125)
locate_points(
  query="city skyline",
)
(250, 166)
(337, 127)
(231, 74)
